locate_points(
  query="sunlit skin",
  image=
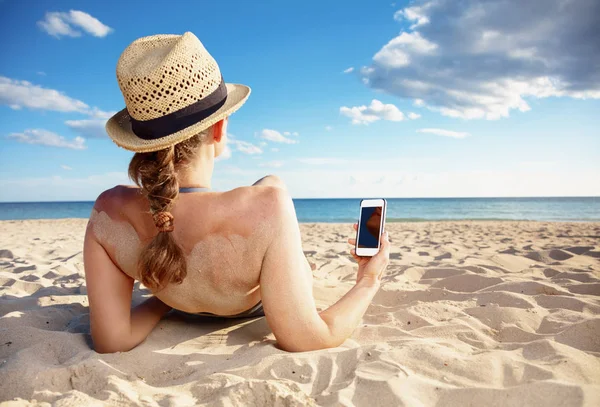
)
(244, 246)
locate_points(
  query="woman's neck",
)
(198, 173)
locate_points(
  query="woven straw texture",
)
(162, 74)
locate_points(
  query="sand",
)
(470, 313)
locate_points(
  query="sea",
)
(572, 209)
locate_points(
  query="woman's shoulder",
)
(118, 202)
(261, 198)
(251, 204)
(256, 194)
(118, 195)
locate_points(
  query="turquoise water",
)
(399, 209)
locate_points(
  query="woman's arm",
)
(114, 325)
(287, 292)
(144, 318)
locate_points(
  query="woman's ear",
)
(219, 130)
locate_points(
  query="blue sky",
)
(374, 98)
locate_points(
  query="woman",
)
(225, 254)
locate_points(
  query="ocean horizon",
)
(344, 210)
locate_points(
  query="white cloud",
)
(320, 183)
(41, 73)
(66, 167)
(48, 138)
(90, 24)
(54, 24)
(375, 111)
(225, 154)
(88, 128)
(323, 160)
(60, 24)
(349, 70)
(100, 114)
(482, 60)
(18, 94)
(295, 134)
(59, 188)
(538, 165)
(274, 149)
(263, 144)
(231, 169)
(399, 51)
(445, 133)
(328, 128)
(271, 164)
(413, 116)
(317, 183)
(245, 147)
(277, 137)
(416, 14)
(287, 133)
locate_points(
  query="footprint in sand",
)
(6, 254)
(50, 275)
(443, 256)
(549, 256)
(467, 283)
(579, 276)
(527, 288)
(510, 250)
(594, 254)
(582, 336)
(583, 288)
(550, 272)
(25, 268)
(579, 249)
(23, 286)
(442, 273)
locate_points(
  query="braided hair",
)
(162, 261)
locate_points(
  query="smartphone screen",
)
(370, 227)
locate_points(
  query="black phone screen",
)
(369, 228)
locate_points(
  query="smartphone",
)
(371, 223)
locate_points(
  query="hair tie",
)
(163, 221)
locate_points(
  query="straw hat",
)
(173, 89)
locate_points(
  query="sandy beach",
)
(470, 313)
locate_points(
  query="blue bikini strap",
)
(193, 189)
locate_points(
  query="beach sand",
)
(469, 313)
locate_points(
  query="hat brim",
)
(119, 129)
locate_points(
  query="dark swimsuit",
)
(256, 311)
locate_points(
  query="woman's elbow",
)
(308, 344)
(112, 346)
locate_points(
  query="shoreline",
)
(565, 209)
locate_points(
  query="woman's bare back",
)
(224, 237)
(241, 246)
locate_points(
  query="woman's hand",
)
(371, 269)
